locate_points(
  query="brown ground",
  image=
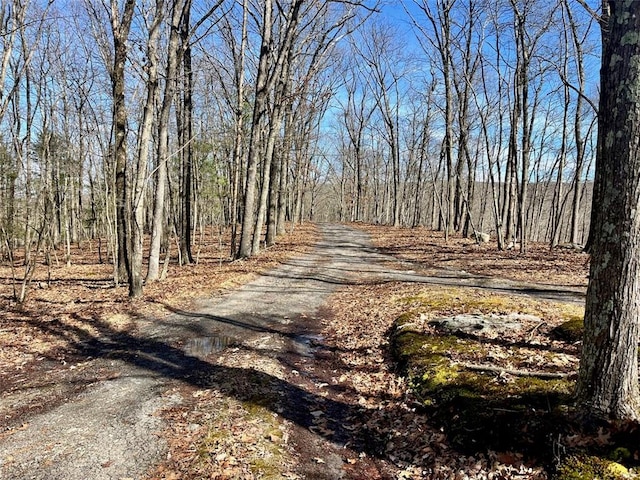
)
(82, 296)
(540, 264)
(352, 357)
(391, 439)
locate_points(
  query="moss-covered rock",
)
(473, 407)
(406, 341)
(486, 411)
(570, 331)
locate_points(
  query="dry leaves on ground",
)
(227, 433)
(69, 304)
(540, 264)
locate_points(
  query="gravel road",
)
(111, 430)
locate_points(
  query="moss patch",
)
(468, 300)
(480, 411)
(571, 330)
(252, 433)
(473, 407)
(497, 411)
(269, 446)
(583, 467)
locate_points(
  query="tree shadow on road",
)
(93, 339)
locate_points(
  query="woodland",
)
(146, 142)
(130, 118)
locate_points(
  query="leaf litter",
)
(389, 434)
(216, 434)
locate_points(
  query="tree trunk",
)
(510, 186)
(159, 216)
(265, 82)
(579, 139)
(608, 379)
(557, 206)
(275, 220)
(259, 109)
(272, 207)
(121, 27)
(144, 140)
(283, 193)
(186, 144)
(274, 128)
(239, 130)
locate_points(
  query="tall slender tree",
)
(162, 157)
(120, 27)
(138, 193)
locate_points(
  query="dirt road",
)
(111, 430)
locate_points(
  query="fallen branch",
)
(510, 371)
(534, 329)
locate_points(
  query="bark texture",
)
(608, 381)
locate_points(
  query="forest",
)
(128, 119)
(310, 239)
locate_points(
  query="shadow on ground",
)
(161, 357)
(163, 360)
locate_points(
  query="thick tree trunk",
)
(608, 380)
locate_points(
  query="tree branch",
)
(518, 373)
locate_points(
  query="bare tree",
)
(162, 157)
(259, 110)
(440, 37)
(385, 71)
(356, 115)
(138, 190)
(578, 42)
(114, 53)
(527, 39)
(273, 81)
